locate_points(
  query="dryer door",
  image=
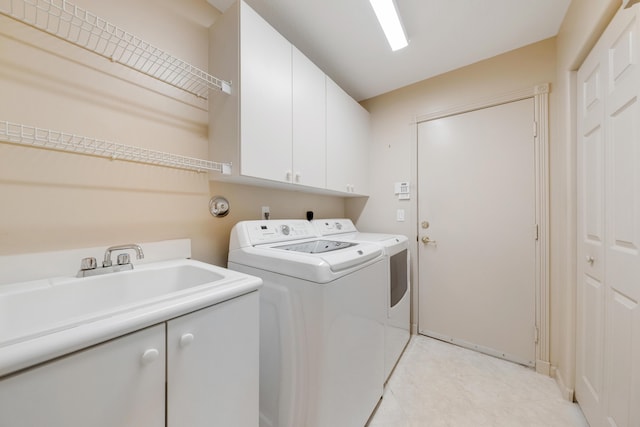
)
(399, 267)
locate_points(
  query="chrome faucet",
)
(88, 266)
(107, 254)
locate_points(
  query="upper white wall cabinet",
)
(348, 133)
(282, 126)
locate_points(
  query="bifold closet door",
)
(608, 340)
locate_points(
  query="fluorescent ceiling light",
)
(387, 14)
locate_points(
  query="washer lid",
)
(316, 246)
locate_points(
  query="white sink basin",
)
(83, 311)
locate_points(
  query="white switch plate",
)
(400, 215)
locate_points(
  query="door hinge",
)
(535, 129)
(535, 334)
(536, 232)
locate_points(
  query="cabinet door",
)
(347, 138)
(212, 366)
(265, 93)
(119, 383)
(309, 122)
(362, 138)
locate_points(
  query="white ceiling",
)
(344, 39)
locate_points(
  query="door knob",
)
(427, 240)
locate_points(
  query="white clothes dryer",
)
(397, 285)
(322, 315)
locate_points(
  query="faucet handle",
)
(88, 264)
(124, 259)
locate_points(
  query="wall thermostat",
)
(402, 190)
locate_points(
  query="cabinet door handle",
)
(288, 176)
(186, 339)
(149, 356)
(298, 176)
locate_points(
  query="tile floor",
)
(438, 384)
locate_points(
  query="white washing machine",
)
(397, 285)
(322, 316)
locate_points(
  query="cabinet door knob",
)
(149, 356)
(186, 339)
(590, 260)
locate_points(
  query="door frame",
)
(540, 129)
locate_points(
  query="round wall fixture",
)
(219, 206)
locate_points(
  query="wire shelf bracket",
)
(14, 133)
(84, 29)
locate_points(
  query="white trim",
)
(484, 103)
(543, 367)
(567, 393)
(540, 95)
(479, 348)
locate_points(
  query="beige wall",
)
(52, 200)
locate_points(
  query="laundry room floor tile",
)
(439, 384)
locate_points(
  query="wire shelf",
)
(82, 28)
(54, 140)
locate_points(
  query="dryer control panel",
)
(327, 227)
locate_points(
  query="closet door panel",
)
(622, 219)
(621, 361)
(591, 293)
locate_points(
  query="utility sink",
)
(92, 309)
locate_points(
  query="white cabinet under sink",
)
(213, 359)
(118, 383)
(207, 361)
(275, 126)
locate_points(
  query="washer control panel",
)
(261, 232)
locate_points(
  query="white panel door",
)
(590, 249)
(476, 190)
(622, 219)
(608, 322)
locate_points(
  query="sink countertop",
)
(19, 352)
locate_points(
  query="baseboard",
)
(414, 329)
(567, 393)
(543, 367)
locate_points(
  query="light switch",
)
(400, 215)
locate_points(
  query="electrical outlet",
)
(266, 213)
